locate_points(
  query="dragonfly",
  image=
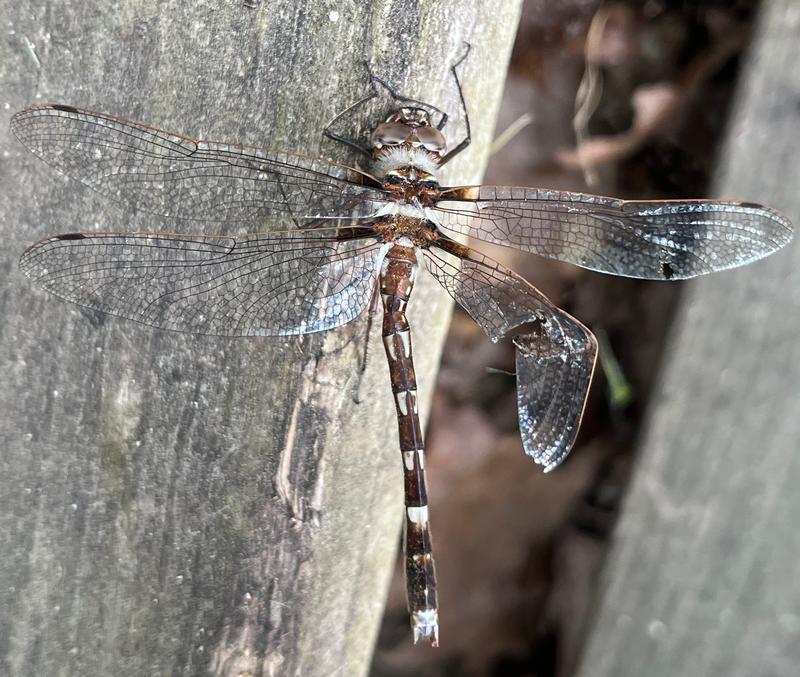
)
(347, 237)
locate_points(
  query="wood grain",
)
(174, 505)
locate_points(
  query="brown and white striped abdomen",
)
(397, 280)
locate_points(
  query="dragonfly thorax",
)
(409, 230)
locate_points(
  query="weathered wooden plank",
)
(702, 579)
(174, 505)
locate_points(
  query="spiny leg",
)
(468, 138)
(362, 368)
(360, 147)
(397, 280)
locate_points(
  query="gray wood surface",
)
(703, 579)
(174, 505)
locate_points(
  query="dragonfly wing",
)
(652, 240)
(555, 353)
(170, 175)
(249, 285)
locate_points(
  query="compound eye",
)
(390, 134)
(431, 138)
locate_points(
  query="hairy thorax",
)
(408, 230)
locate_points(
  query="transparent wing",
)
(555, 352)
(251, 285)
(171, 175)
(652, 240)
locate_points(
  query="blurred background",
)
(518, 552)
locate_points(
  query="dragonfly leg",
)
(339, 138)
(373, 310)
(468, 138)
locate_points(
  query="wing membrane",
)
(251, 285)
(555, 353)
(170, 175)
(652, 240)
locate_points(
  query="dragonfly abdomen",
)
(397, 281)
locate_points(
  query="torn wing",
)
(171, 175)
(251, 285)
(555, 353)
(652, 240)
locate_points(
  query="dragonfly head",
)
(409, 127)
(407, 151)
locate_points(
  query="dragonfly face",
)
(345, 235)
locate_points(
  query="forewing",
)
(652, 240)
(555, 353)
(251, 285)
(175, 176)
